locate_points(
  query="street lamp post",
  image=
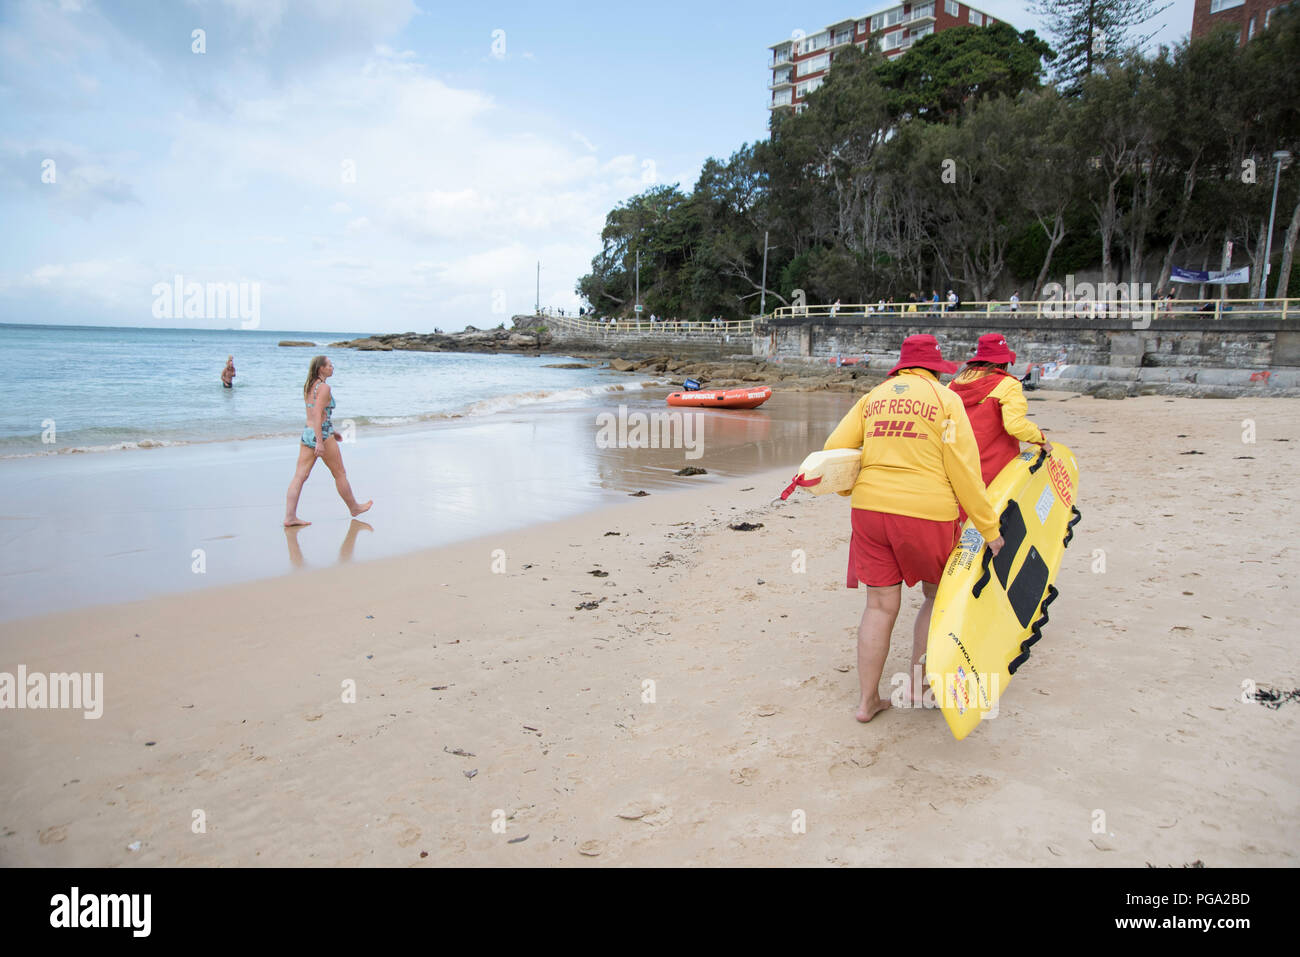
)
(1280, 158)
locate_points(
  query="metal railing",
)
(1050, 309)
(561, 326)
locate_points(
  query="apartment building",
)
(799, 63)
(1248, 16)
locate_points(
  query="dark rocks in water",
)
(295, 342)
(640, 494)
(470, 340)
(691, 470)
(567, 365)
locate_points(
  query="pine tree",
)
(1088, 31)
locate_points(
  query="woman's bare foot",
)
(294, 522)
(869, 710)
(362, 508)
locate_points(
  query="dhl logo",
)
(896, 428)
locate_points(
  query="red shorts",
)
(886, 549)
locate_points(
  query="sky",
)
(360, 165)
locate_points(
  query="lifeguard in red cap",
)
(919, 459)
(995, 404)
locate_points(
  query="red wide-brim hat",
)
(923, 352)
(993, 348)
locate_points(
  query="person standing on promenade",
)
(1015, 301)
(319, 441)
(228, 373)
(995, 404)
(919, 459)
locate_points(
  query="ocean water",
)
(98, 389)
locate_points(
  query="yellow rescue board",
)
(989, 611)
(835, 470)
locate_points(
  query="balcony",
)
(780, 81)
(919, 14)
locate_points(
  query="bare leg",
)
(873, 646)
(306, 459)
(920, 638)
(334, 461)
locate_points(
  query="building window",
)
(976, 19)
(862, 26)
(887, 19)
(812, 66)
(1250, 29)
(1219, 5)
(815, 43)
(952, 8)
(923, 10)
(891, 40)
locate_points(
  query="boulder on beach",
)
(621, 365)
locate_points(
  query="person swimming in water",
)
(228, 373)
(319, 440)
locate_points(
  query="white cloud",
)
(453, 196)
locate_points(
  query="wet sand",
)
(490, 697)
(116, 526)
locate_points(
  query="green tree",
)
(944, 71)
(1087, 32)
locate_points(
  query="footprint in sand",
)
(744, 776)
(53, 835)
(647, 812)
(409, 833)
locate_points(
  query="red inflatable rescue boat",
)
(722, 399)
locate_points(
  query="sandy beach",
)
(691, 704)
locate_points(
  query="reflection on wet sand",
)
(345, 550)
(733, 442)
(436, 485)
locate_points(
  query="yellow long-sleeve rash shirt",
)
(1015, 408)
(919, 456)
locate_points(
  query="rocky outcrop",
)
(295, 342)
(470, 340)
(791, 377)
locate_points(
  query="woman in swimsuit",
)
(319, 441)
